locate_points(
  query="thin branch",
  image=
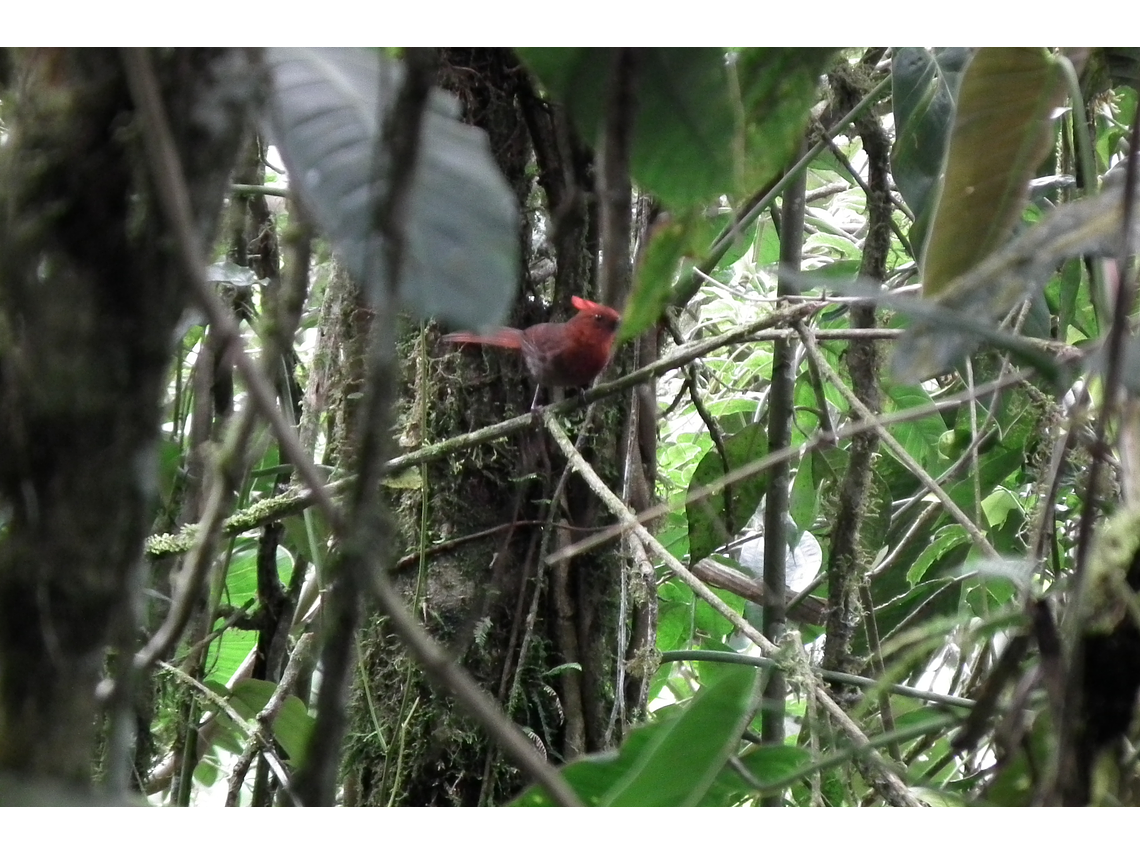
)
(259, 190)
(834, 676)
(821, 440)
(717, 437)
(684, 292)
(1114, 351)
(252, 733)
(284, 689)
(854, 173)
(280, 507)
(652, 545)
(174, 196)
(781, 410)
(166, 171)
(878, 425)
(367, 531)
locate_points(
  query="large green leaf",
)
(707, 123)
(1002, 131)
(710, 524)
(670, 762)
(327, 109)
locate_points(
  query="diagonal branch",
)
(895, 784)
(878, 425)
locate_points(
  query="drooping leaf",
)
(673, 246)
(669, 242)
(948, 538)
(327, 112)
(710, 526)
(1002, 130)
(671, 761)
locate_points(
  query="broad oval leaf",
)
(710, 523)
(673, 760)
(327, 110)
(1002, 130)
(704, 126)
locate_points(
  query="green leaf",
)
(804, 501)
(1003, 129)
(292, 728)
(680, 764)
(924, 86)
(327, 109)
(249, 696)
(948, 538)
(710, 673)
(653, 282)
(707, 123)
(998, 505)
(778, 88)
(682, 137)
(918, 436)
(229, 651)
(712, 623)
(709, 525)
(674, 625)
(767, 764)
(670, 762)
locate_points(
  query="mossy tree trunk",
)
(90, 294)
(543, 640)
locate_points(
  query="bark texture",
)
(485, 592)
(90, 293)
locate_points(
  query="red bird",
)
(567, 354)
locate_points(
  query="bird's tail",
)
(502, 337)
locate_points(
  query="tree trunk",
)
(90, 293)
(542, 640)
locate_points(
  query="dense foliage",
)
(849, 520)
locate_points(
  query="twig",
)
(259, 190)
(166, 170)
(890, 777)
(254, 734)
(174, 197)
(754, 206)
(280, 507)
(877, 425)
(822, 440)
(835, 676)
(265, 718)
